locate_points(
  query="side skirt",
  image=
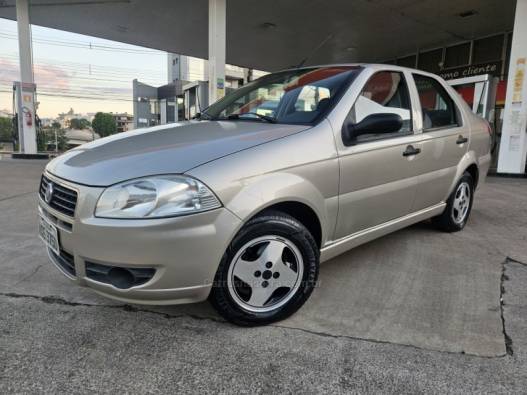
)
(344, 244)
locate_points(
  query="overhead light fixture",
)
(468, 13)
(268, 25)
(121, 29)
(351, 48)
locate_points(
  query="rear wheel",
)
(268, 271)
(459, 205)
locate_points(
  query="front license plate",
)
(49, 235)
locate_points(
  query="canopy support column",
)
(513, 146)
(26, 89)
(217, 46)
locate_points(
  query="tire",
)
(458, 208)
(247, 290)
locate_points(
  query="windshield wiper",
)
(260, 116)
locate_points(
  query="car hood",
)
(174, 148)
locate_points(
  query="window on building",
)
(438, 108)
(487, 49)
(154, 106)
(457, 55)
(429, 61)
(408, 61)
(385, 92)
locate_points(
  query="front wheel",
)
(459, 205)
(268, 271)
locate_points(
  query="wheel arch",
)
(302, 213)
(292, 194)
(467, 163)
(473, 170)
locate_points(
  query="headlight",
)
(155, 197)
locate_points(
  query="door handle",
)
(461, 140)
(411, 150)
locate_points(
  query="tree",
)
(62, 140)
(47, 140)
(79, 123)
(104, 124)
(6, 129)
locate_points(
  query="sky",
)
(76, 71)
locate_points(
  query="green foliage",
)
(62, 140)
(104, 124)
(6, 129)
(79, 123)
(46, 138)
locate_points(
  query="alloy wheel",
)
(461, 203)
(265, 273)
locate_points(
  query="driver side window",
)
(385, 92)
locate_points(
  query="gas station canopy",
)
(276, 34)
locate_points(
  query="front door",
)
(377, 176)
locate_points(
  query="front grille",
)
(65, 261)
(62, 199)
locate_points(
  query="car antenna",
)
(320, 45)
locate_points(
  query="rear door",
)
(444, 140)
(377, 179)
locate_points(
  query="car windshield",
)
(301, 96)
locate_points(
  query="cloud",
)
(51, 76)
(47, 75)
(54, 78)
(8, 71)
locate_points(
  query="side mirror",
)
(372, 124)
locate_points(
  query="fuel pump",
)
(24, 95)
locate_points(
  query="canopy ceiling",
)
(274, 34)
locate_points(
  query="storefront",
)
(477, 69)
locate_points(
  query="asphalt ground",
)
(415, 311)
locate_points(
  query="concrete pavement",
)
(402, 313)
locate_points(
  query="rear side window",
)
(439, 110)
(385, 92)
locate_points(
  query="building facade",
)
(124, 122)
(186, 92)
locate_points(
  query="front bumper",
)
(184, 251)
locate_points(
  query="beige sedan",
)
(242, 204)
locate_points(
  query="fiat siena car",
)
(241, 204)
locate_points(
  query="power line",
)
(15, 55)
(96, 69)
(76, 96)
(79, 92)
(77, 89)
(85, 45)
